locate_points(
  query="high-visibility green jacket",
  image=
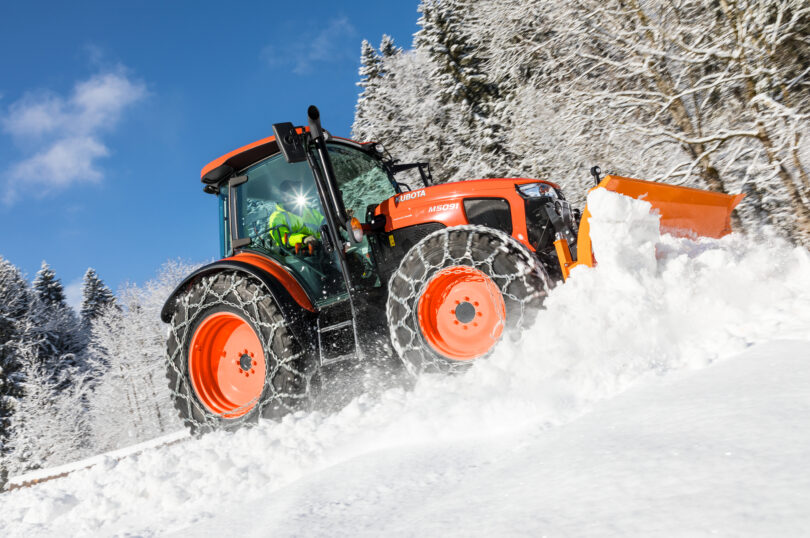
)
(296, 227)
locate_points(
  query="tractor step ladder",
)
(335, 335)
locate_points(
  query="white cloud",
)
(73, 294)
(63, 136)
(305, 53)
(34, 115)
(65, 161)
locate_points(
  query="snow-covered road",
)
(665, 392)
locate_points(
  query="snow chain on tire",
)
(521, 279)
(286, 385)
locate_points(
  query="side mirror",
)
(290, 142)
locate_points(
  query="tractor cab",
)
(300, 206)
(272, 207)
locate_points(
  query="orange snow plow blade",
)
(684, 211)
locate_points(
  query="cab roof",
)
(220, 168)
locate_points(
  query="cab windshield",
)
(363, 183)
(361, 179)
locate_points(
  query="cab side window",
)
(279, 211)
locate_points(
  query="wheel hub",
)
(226, 365)
(461, 313)
(465, 312)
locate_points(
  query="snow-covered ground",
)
(665, 392)
(721, 451)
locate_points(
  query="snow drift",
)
(655, 304)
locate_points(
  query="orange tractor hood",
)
(443, 203)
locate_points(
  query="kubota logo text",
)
(409, 196)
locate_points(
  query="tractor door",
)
(347, 180)
(275, 211)
(362, 182)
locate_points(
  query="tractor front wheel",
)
(231, 359)
(457, 293)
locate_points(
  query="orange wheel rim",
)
(461, 313)
(226, 365)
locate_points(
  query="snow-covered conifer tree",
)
(95, 297)
(369, 76)
(131, 400)
(387, 47)
(476, 142)
(62, 342)
(48, 288)
(14, 301)
(49, 424)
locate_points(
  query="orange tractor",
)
(332, 264)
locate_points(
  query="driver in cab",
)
(295, 228)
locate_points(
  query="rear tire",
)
(457, 292)
(225, 329)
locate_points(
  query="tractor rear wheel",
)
(230, 357)
(457, 292)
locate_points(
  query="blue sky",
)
(108, 111)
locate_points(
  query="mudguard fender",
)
(295, 306)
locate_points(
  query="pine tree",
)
(48, 288)
(60, 340)
(388, 48)
(473, 131)
(369, 64)
(375, 79)
(459, 65)
(14, 302)
(131, 401)
(49, 426)
(96, 296)
(369, 77)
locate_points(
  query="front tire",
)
(457, 293)
(230, 357)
